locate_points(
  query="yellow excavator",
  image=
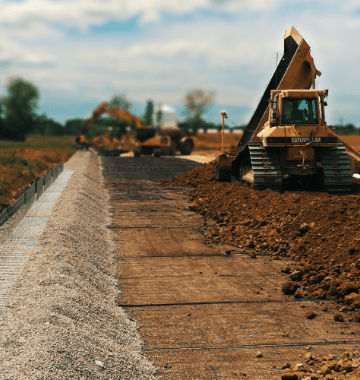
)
(116, 112)
(162, 140)
(287, 137)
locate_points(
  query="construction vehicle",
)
(116, 112)
(287, 138)
(165, 139)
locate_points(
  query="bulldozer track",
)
(203, 314)
(336, 167)
(266, 167)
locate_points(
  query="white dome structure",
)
(169, 114)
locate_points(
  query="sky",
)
(82, 52)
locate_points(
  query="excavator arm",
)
(99, 110)
(116, 112)
(122, 114)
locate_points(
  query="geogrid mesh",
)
(28, 197)
(21, 240)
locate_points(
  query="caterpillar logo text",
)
(305, 139)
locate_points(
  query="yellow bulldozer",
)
(287, 138)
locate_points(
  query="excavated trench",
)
(205, 313)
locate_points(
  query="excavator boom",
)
(116, 112)
(122, 114)
(99, 110)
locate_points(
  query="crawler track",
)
(266, 167)
(203, 314)
(336, 167)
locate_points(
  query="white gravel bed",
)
(193, 157)
(61, 320)
(197, 158)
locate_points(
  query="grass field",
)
(21, 163)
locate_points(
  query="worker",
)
(297, 115)
(82, 143)
(286, 115)
(100, 146)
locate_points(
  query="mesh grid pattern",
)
(15, 252)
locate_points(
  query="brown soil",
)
(311, 367)
(24, 167)
(317, 230)
(205, 143)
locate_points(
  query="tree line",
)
(18, 116)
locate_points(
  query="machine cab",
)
(297, 107)
(299, 111)
(296, 116)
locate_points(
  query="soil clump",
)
(345, 366)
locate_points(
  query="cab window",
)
(299, 111)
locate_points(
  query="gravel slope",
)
(61, 321)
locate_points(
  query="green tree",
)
(120, 101)
(118, 127)
(45, 126)
(2, 123)
(348, 129)
(159, 114)
(73, 126)
(19, 109)
(197, 102)
(149, 113)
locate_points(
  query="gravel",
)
(61, 320)
(198, 158)
(201, 158)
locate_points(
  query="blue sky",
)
(82, 52)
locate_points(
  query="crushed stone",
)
(61, 320)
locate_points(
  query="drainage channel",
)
(15, 252)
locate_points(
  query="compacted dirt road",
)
(205, 311)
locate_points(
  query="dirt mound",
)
(345, 366)
(198, 176)
(318, 230)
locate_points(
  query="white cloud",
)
(32, 31)
(232, 51)
(84, 13)
(245, 5)
(13, 53)
(350, 5)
